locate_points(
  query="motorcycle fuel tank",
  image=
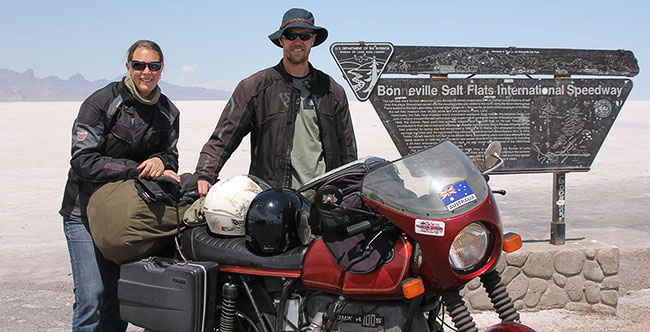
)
(321, 272)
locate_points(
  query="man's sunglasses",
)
(141, 65)
(304, 36)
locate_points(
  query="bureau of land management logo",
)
(362, 64)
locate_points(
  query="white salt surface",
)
(610, 203)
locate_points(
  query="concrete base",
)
(578, 276)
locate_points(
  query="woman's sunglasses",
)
(141, 65)
(304, 36)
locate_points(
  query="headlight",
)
(469, 247)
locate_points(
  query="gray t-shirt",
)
(307, 159)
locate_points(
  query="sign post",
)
(558, 227)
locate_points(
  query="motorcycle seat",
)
(201, 245)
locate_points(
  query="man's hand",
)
(172, 175)
(204, 186)
(151, 168)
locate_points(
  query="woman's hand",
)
(151, 168)
(204, 186)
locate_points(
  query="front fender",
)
(509, 327)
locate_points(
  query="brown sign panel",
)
(543, 124)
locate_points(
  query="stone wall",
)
(579, 276)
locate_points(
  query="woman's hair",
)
(146, 44)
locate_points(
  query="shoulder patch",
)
(81, 135)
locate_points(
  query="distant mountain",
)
(15, 86)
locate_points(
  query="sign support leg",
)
(558, 227)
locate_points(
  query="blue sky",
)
(217, 43)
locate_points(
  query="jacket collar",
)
(319, 82)
(128, 97)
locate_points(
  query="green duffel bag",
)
(124, 227)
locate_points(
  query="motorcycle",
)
(396, 243)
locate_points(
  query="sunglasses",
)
(141, 65)
(304, 36)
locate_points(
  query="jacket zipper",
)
(289, 133)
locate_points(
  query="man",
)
(298, 116)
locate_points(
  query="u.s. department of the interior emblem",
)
(362, 64)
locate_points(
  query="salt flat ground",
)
(610, 204)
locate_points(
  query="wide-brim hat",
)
(298, 18)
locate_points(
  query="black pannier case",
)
(164, 294)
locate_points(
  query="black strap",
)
(414, 305)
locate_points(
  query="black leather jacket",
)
(112, 135)
(265, 105)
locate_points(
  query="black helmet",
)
(277, 220)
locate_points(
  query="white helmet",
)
(227, 202)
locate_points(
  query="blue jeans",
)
(96, 307)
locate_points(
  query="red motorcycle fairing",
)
(436, 271)
(509, 327)
(321, 272)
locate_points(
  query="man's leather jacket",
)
(265, 105)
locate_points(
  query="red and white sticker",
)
(429, 227)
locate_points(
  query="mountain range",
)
(25, 86)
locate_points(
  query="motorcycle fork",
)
(499, 297)
(458, 311)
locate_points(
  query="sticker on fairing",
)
(457, 195)
(429, 227)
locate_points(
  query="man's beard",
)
(298, 59)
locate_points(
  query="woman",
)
(127, 129)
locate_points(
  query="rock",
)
(501, 263)
(593, 272)
(536, 288)
(554, 297)
(592, 292)
(478, 300)
(517, 287)
(609, 260)
(578, 306)
(539, 264)
(609, 297)
(603, 309)
(517, 258)
(508, 274)
(519, 305)
(474, 284)
(612, 283)
(569, 262)
(590, 253)
(559, 280)
(575, 288)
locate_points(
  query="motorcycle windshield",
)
(437, 183)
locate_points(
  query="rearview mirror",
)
(493, 158)
(493, 148)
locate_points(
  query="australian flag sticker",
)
(457, 195)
